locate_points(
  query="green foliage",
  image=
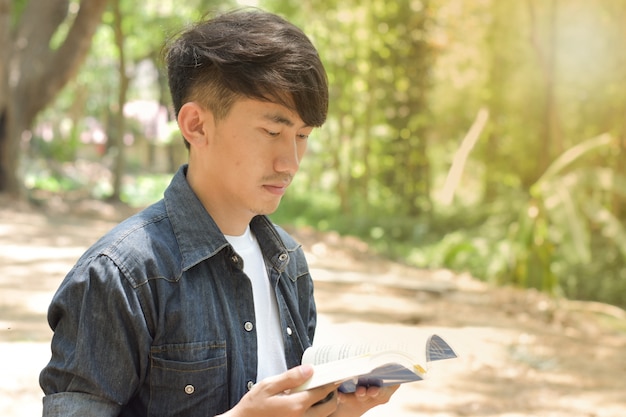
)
(63, 149)
(52, 177)
(44, 180)
(563, 238)
(138, 190)
(142, 190)
(17, 10)
(538, 205)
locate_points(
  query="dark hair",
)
(252, 54)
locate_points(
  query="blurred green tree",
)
(43, 43)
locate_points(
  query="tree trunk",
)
(551, 135)
(118, 118)
(8, 166)
(32, 72)
(618, 202)
(412, 62)
(497, 41)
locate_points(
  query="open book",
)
(372, 365)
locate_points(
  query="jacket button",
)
(250, 385)
(234, 259)
(248, 326)
(289, 331)
(283, 257)
(189, 389)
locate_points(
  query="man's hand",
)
(271, 397)
(364, 398)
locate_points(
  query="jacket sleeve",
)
(100, 345)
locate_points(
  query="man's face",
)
(250, 159)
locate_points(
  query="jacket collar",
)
(199, 237)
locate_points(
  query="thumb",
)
(289, 380)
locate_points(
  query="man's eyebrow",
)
(279, 118)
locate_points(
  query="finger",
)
(381, 395)
(373, 391)
(326, 407)
(376, 395)
(315, 397)
(324, 394)
(360, 392)
(287, 380)
(327, 398)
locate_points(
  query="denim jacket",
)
(157, 317)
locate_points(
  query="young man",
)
(199, 305)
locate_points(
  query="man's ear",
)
(195, 123)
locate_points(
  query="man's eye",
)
(303, 136)
(273, 134)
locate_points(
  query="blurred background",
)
(485, 138)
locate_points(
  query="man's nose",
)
(288, 158)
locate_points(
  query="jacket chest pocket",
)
(188, 379)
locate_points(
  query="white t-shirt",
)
(271, 347)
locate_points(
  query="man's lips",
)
(276, 189)
(277, 184)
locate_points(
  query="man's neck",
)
(229, 223)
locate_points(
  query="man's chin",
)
(265, 211)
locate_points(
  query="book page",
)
(377, 364)
(433, 349)
(317, 355)
(379, 369)
(437, 349)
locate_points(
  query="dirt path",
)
(521, 353)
